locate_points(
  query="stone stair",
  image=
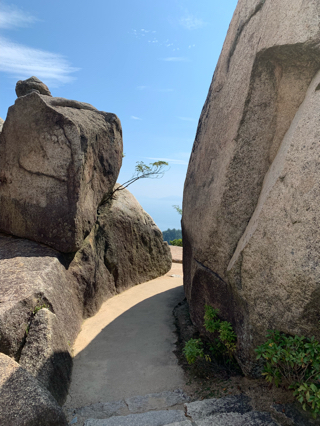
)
(175, 409)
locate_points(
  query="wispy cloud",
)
(135, 118)
(23, 61)
(175, 59)
(190, 22)
(169, 160)
(142, 87)
(13, 17)
(186, 119)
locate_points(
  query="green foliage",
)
(226, 335)
(176, 242)
(193, 350)
(294, 362)
(38, 308)
(178, 209)
(172, 234)
(225, 343)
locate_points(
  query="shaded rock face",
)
(253, 251)
(57, 160)
(32, 84)
(46, 354)
(124, 248)
(32, 275)
(23, 401)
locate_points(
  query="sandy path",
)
(126, 348)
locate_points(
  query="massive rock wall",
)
(59, 159)
(252, 178)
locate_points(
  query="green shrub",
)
(176, 242)
(193, 350)
(226, 335)
(225, 343)
(294, 362)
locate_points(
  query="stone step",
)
(252, 418)
(151, 418)
(124, 407)
(208, 407)
(232, 410)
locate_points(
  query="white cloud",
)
(169, 160)
(142, 87)
(186, 119)
(175, 59)
(190, 22)
(13, 17)
(135, 118)
(23, 61)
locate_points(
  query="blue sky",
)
(149, 62)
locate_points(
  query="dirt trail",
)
(126, 349)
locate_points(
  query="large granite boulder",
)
(251, 214)
(124, 248)
(31, 276)
(46, 354)
(23, 402)
(57, 160)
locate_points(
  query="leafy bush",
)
(225, 343)
(193, 350)
(226, 335)
(294, 362)
(176, 242)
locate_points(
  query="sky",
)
(149, 62)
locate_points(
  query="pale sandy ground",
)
(176, 253)
(126, 349)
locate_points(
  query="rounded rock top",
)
(24, 87)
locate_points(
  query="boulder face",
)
(23, 401)
(24, 87)
(124, 248)
(32, 276)
(57, 160)
(46, 354)
(252, 180)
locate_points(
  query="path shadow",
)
(132, 355)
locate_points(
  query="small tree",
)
(178, 209)
(154, 170)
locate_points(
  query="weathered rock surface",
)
(138, 404)
(150, 418)
(124, 248)
(252, 181)
(1, 124)
(57, 160)
(24, 87)
(46, 354)
(32, 275)
(23, 401)
(227, 411)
